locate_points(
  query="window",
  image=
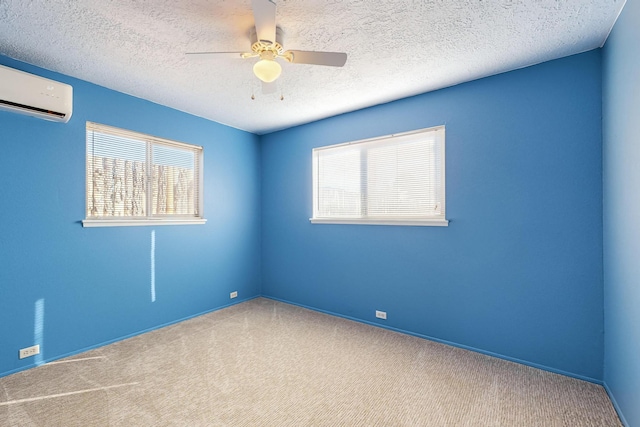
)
(390, 180)
(137, 179)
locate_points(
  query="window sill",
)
(423, 223)
(140, 222)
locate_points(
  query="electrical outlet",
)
(381, 314)
(233, 294)
(29, 351)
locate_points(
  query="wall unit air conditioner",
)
(36, 96)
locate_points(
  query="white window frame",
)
(434, 220)
(149, 219)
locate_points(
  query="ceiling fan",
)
(266, 43)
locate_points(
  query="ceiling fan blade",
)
(333, 59)
(264, 15)
(210, 55)
(268, 88)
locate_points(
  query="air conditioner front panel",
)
(26, 93)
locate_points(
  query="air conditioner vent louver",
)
(29, 108)
(36, 96)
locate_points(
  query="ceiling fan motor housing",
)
(259, 46)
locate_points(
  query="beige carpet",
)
(264, 363)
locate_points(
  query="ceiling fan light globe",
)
(267, 70)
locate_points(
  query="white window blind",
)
(138, 179)
(395, 179)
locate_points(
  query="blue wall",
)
(517, 273)
(621, 110)
(95, 283)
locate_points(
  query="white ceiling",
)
(395, 48)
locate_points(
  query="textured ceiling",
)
(395, 48)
